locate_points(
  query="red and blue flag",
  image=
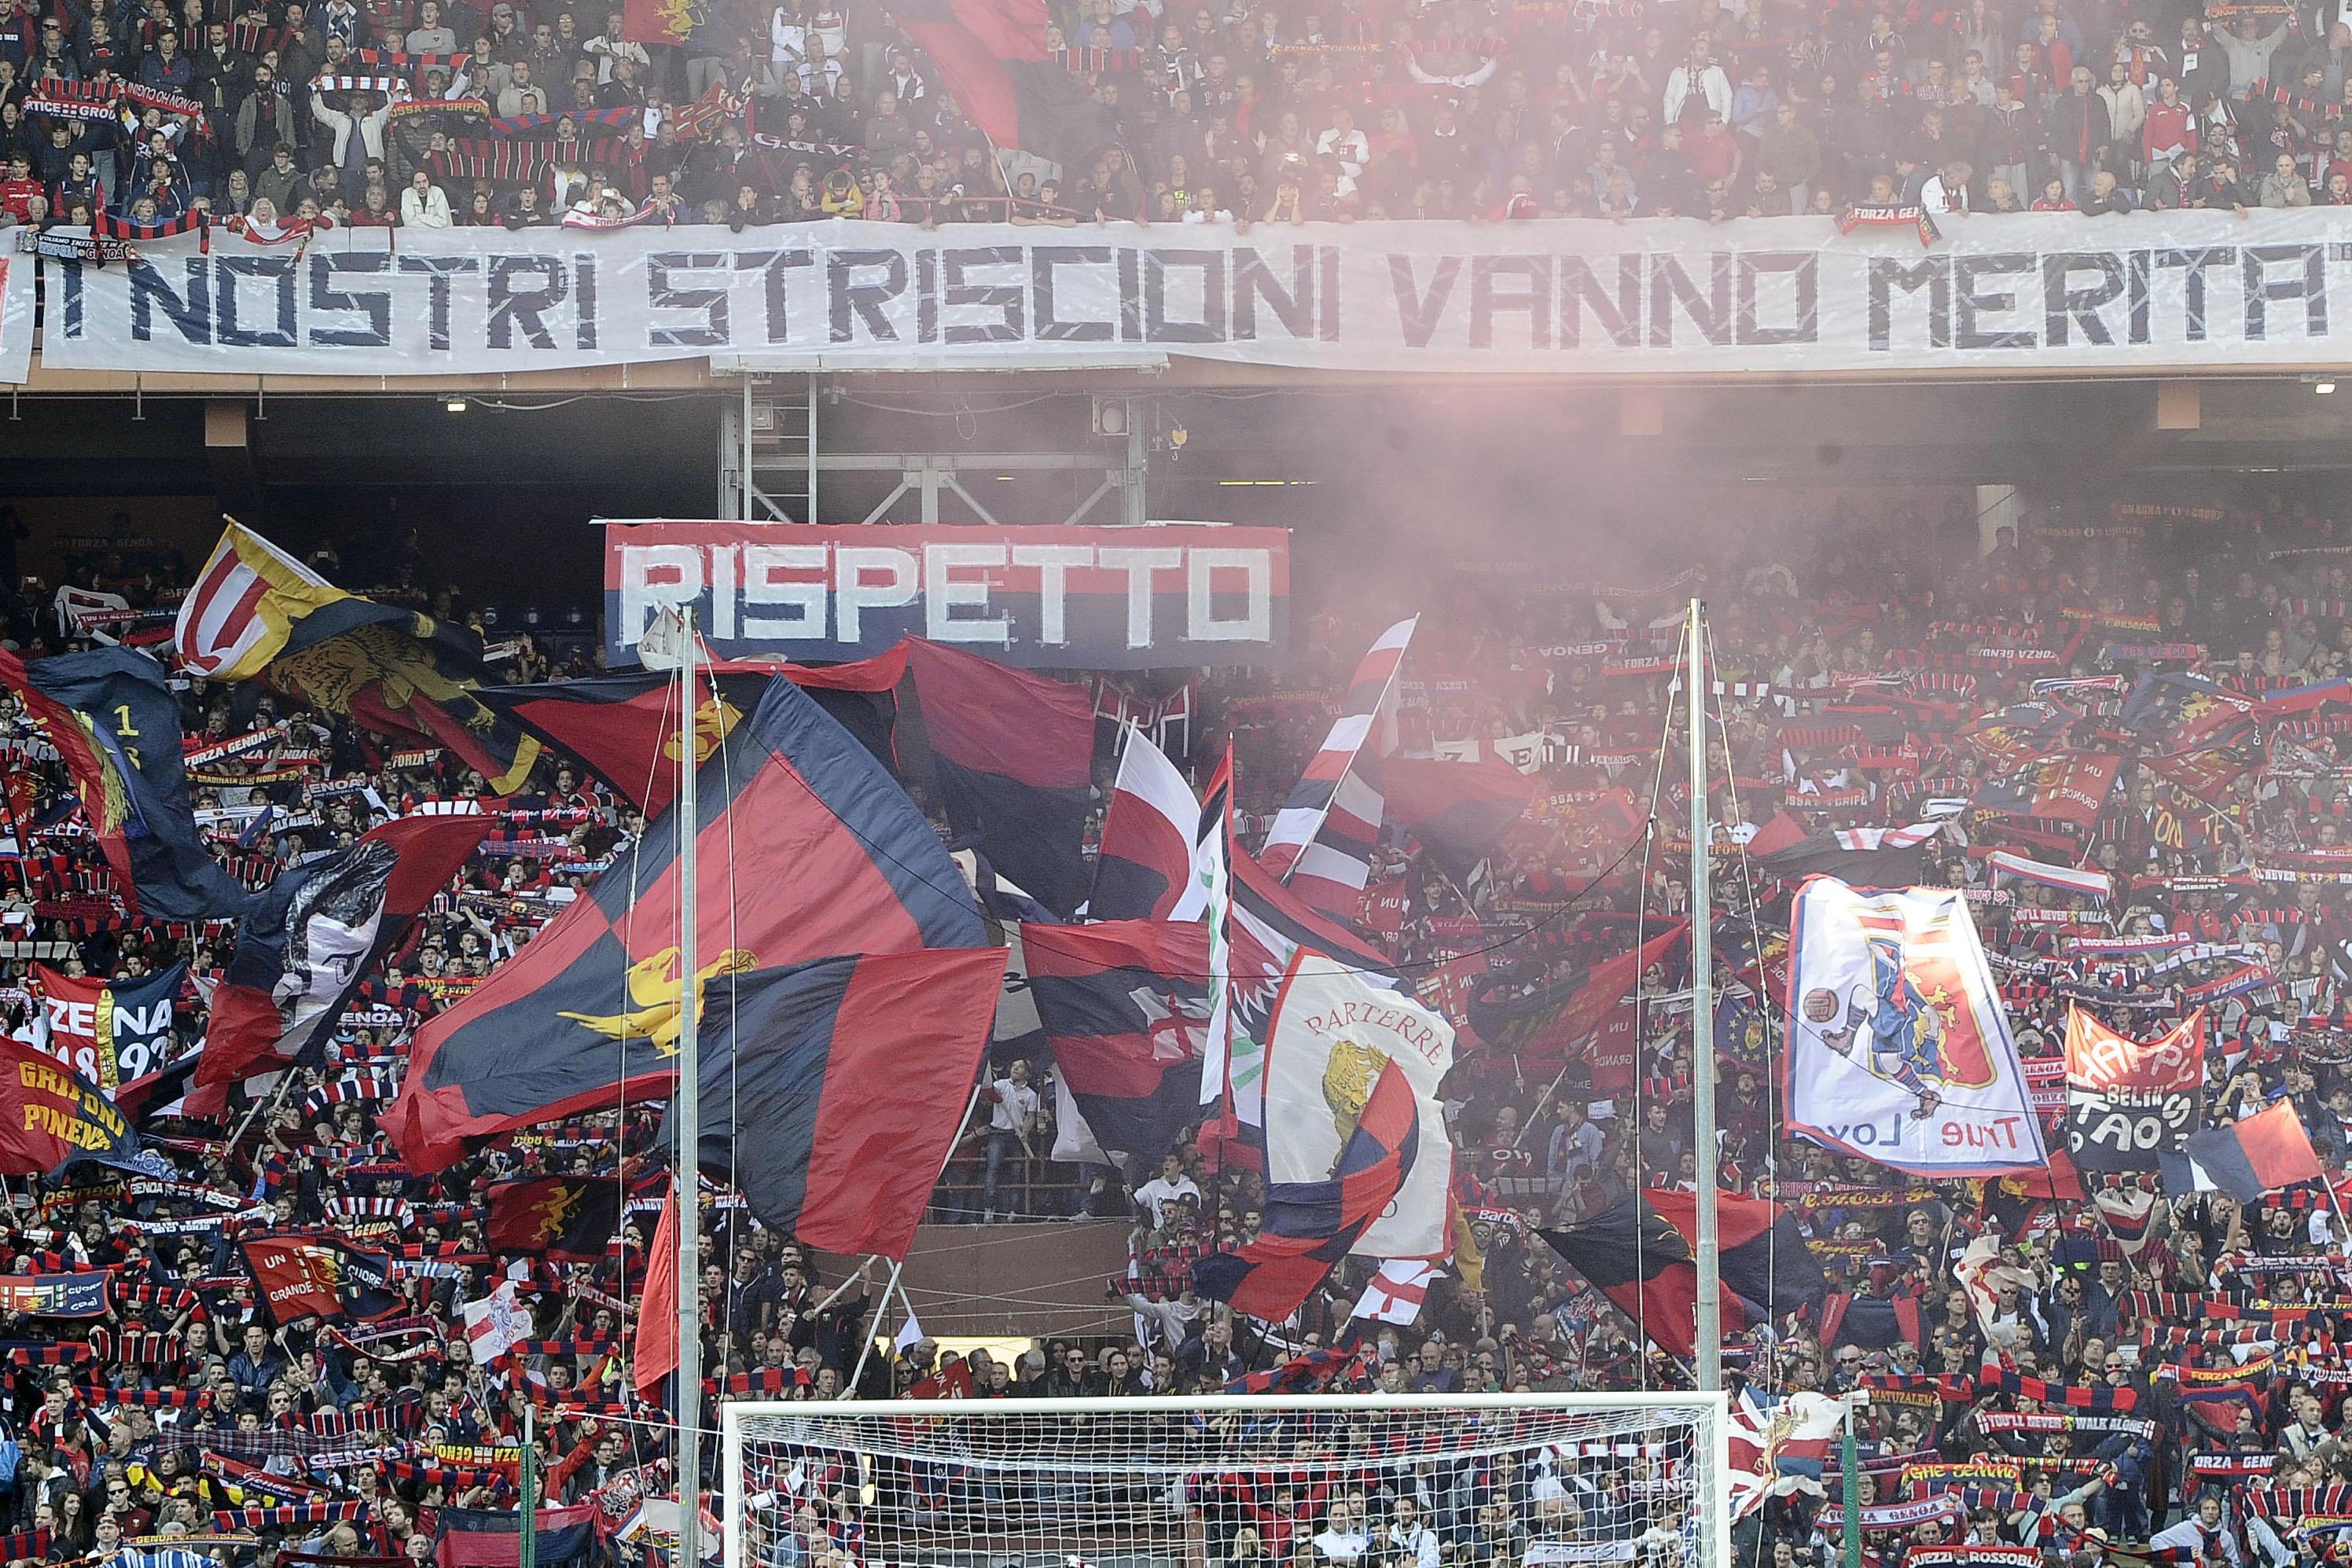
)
(832, 1092)
(813, 851)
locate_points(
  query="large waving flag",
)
(832, 1092)
(1899, 1047)
(1264, 927)
(1322, 840)
(1642, 1255)
(256, 609)
(1782, 1450)
(1145, 859)
(810, 850)
(1332, 1013)
(1342, 1136)
(623, 728)
(1124, 1008)
(110, 715)
(313, 936)
(992, 56)
(2258, 1154)
(1016, 765)
(1459, 810)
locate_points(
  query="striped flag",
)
(237, 618)
(1396, 1293)
(1322, 840)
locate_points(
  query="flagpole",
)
(898, 1265)
(1710, 1285)
(687, 1110)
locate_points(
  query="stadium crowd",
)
(177, 1407)
(433, 113)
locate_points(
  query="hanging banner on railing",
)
(16, 318)
(1158, 596)
(2023, 294)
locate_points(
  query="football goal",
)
(1236, 1481)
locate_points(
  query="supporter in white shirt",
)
(1411, 1543)
(1947, 190)
(1342, 1540)
(1349, 145)
(1011, 1121)
(1165, 1189)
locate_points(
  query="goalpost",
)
(1339, 1480)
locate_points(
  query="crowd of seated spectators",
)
(440, 114)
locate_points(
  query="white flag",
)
(1331, 1023)
(496, 1323)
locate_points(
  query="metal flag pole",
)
(687, 1110)
(529, 1478)
(1710, 1284)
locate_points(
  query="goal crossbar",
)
(1048, 1482)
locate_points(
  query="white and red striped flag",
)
(1322, 840)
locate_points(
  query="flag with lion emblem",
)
(1351, 1120)
(1898, 1050)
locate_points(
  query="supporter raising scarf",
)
(1899, 1049)
(258, 611)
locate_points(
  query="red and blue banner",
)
(1459, 810)
(1158, 596)
(832, 1092)
(1124, 1004)
(623, 728)
(1013, 760)
(1642, 1255)
(312, 1276)
(816, 852)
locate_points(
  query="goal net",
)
(1239, 1481)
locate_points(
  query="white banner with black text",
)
(2148, 291)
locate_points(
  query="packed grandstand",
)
(127, 119)
(298, 1233)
